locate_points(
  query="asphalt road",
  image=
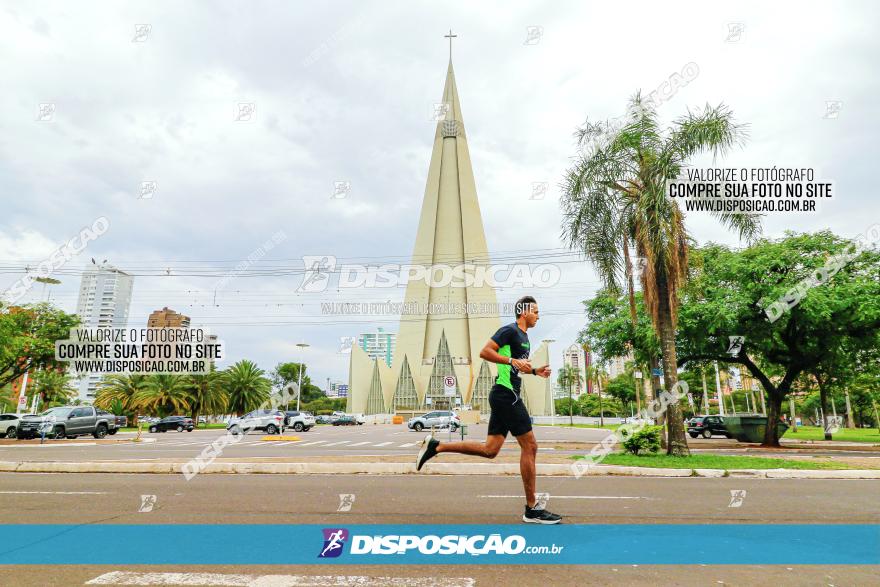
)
(431, 501)
(319, 441)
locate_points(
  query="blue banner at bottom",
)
(364, 544)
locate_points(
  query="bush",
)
(645, 440)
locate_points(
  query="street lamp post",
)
(549, 386)
(302, 346)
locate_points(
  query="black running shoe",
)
(427, 452)
(542, 516)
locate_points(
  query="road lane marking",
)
(408, 444)
(359, 443)
(54, 492)
(212, 579)
(578, 496)
(315, 442)
(336, 443)
(286, 443)
(383, 444)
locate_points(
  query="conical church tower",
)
(457, 309)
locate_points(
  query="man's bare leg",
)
(488, 449)
(528, 454)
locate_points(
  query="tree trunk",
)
(675, 434)
(823, 401)
(771, 433)
(850, 423)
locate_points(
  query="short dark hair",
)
(522, 304)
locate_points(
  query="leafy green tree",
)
(622, 388)
(589, 405)
(27, 338)
(246, 386)
(616, 193)
(731, 293)
(567, 406)
(286, 373)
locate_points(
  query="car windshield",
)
(696, 420)
(57, 412)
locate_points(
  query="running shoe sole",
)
(426, 443)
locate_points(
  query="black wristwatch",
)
(533, 371)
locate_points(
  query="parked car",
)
(270, 421)
(203, 419)
(323, 419)
(436, 419)
(66, 422)
(706, 426)
(299, 421)
(345, 420)
(115, 422)
(8, 425)
(179, 423)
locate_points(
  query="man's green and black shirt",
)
(512, 342)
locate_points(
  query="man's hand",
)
(522, 365)
(543, 371)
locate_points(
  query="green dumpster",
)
(750, 428)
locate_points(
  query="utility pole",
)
(793, 415)
(705, 391)
(301, 346)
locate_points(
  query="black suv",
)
(179, 423)
(706, 426)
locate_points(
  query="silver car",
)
(270, 421)
(436, 419)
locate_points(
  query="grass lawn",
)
(706, 461)
(843, 435)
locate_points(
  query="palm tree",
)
(595, 373)
(165, 394)
(615, 194)
(207, 396)
(246, 386)
(117, 393)
(568, 377)
(54, 387)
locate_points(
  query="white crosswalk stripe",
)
(337, 443)
(311, 443)
(383, 444)
(408, 444)
(359, 443)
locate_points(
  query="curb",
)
(512, 469)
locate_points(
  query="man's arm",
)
(490, 353)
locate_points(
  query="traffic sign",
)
(449, 386)
(656, 372)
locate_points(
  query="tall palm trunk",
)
(676, 442)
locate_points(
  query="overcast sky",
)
(343, 92)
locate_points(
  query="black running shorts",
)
(509, 413)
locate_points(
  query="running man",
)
(509, 348)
